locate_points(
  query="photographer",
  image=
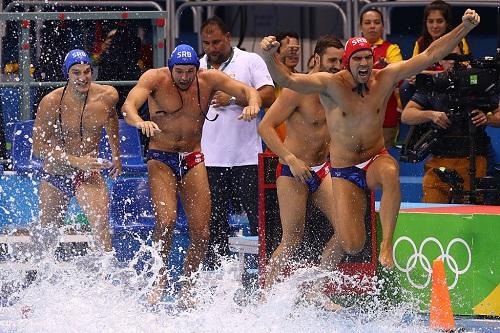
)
(452, 149)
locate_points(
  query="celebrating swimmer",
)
(355, 100)
(66, 135)
(178, 97)
(303, 170)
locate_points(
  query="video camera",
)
(466, 87)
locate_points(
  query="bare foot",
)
(156, 293)
(329, 305)
(316, 296)
(186, 302)
(186, 298)
(385, 257)
(261, 296)
(26, 311)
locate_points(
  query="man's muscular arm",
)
(437, 50)
(241, 91)
(303, 83)
(136, 99)
(112, 127)
(281, 110)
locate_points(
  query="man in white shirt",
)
(231, 147)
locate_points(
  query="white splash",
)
(87, 294)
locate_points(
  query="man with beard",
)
(231, 148)
(355, 100)
(178, 97)
(303, 170)
(66, 137)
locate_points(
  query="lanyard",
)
(81, 116)
(224, 64)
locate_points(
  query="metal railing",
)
(24, 18)
(151, 4)
(212, 3)
(44, 4)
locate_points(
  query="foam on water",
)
(88, 295)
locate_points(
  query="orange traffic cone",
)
(441, 315)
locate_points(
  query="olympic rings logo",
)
(418, 258)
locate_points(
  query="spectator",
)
(452, 150)
(231, 147)
(437, 21)
(104, 47)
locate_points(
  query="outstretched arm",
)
(136, 99)
(306, 84)
(437, 50)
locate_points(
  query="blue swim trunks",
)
(180, 163)
(318, 174)
(68, 184)
(356, 174)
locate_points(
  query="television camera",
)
(466, 87)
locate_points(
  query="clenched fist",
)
(269, 45)
(471, 18)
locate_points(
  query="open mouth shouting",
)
(363, 74)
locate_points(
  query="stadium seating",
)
(130, 204)
(130, 149)
(23, 160)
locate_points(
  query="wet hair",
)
(217, 21)
(444, 8)
(326, 41)
(371, 9)
(284, 34)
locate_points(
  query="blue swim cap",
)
(183, 54)
(72, 58)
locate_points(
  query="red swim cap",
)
(352, 46)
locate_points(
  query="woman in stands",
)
(437, 21)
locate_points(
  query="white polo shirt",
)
(227, 141)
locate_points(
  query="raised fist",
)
(470, 18)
